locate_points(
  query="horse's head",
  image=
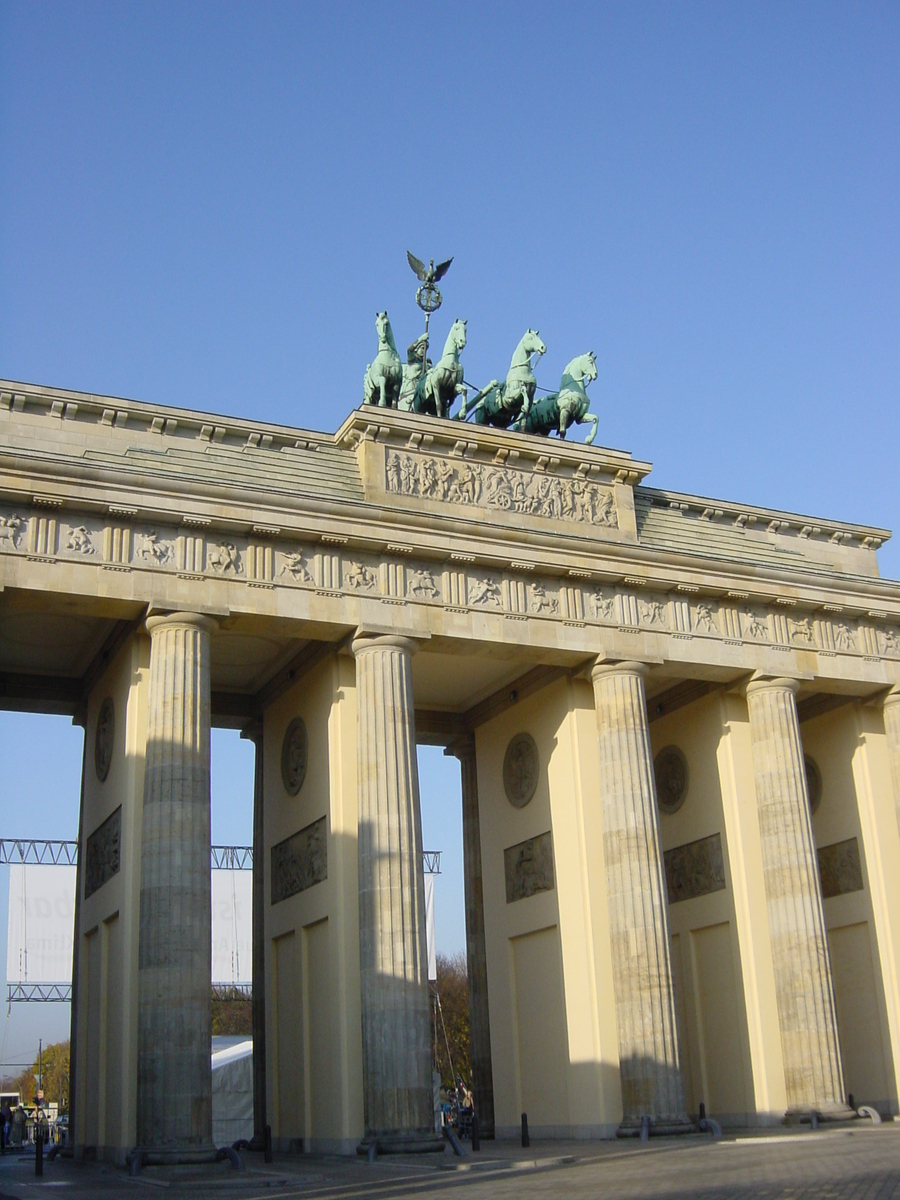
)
(457, 336)
(589, 362)
(582, 369)
(381, 323)
(532, 344)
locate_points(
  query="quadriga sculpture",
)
(438, 388)
(416, 365)
(502, 404)
(568, 406)
(381, 384)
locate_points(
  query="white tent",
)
(232, 1091)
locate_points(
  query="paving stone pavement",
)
(858, 1164)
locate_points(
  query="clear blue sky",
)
(205, 205)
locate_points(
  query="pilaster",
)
(892, 733)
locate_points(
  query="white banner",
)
(429, 927)
(232, 926)
(41, 919)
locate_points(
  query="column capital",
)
(382, 641)
(191, 620)
(603, 668)
(771, 683)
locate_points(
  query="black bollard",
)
(476, 1140)
(526, 1140)
(702, 1111)
(851, 1102)
(38, 1152)
(267, 1152)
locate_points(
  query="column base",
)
(177, 1156)
(659, 1127)
(400, 1142)
(803, 1114)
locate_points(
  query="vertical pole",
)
(254, 733)
(79, 719)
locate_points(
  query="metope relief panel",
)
(11, 530)
(695, 869)
(533, 494)
(103, 855)
(300, 861)
(529, 868)
(296, 566)
(840, 869)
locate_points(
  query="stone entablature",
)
(434, 530)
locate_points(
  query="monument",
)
(677, 718)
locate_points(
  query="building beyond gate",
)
(678, 722)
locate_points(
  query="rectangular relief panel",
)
(300, 861)
(103, 853)
(695, 869)
(840, 868)
(529, 867)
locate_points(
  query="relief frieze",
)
(10, 527)
(695, 869)
(529, 867)
(509, 490)
(840, 869)
(300, 861)
(103, 853)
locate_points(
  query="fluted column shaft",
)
(174, 1111)
(649, 1061)
(254, 733)
(892, 730)
(476, 954)
(804, 993)
(392, 953)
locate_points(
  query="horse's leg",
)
(595, 421)
(382, 392)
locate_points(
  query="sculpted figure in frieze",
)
(890, 642)
(603, 607)
(502, 404)
(844, 637)
(802, 630)
(294, 566)
(223, 558)
(485, 591)
(541, 602)
(80, 540)
(9, 529)
(361, 577)
(421, 585)
(381, 383)
(705, 622)
(151, 549)
(653, 612)
(569, 406)
(757, 627)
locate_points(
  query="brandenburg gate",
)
(678, 722)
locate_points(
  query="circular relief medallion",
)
(104, 738)
(294, 756)
(671, 771)
(520, 769)
(813, 783)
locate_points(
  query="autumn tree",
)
(53, 1065)
(452, 990)
(232, 1016)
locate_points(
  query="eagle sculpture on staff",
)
(431, 274)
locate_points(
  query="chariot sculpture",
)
(421, 386)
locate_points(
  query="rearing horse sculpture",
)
(568, 406)
(439, 387)
(381, 383)
(502, 404)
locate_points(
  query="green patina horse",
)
(381, 383)
(502, 404)
(569, 406)
(438, 388)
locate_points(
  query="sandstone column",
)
(804, 994)
(254, 733)
(393, 962)
(479, 1019)
(174, 1116)
(649, 1061)
(892, 730)
(74, 1100)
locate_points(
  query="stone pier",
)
(892, 731)
(805, 997)
(399, 1110)
(649, 1059)
(174, 1113)
(463, 748)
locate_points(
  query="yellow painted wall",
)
(832, 740)
(713, 1029)
(553, 1036)
(314, 1042)
(106, 1075)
